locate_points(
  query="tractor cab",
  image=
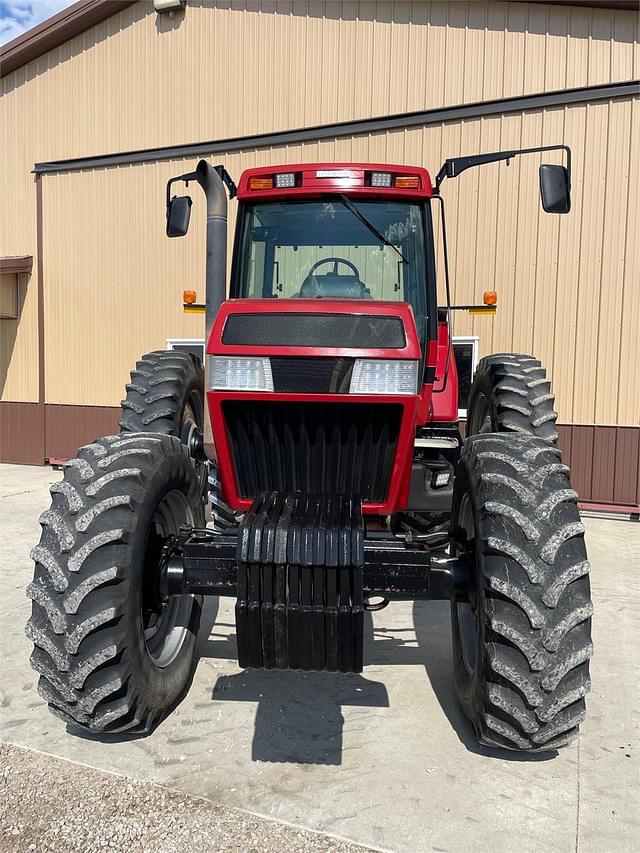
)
(336, 232)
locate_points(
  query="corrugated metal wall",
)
(604, 462)
(568, 286)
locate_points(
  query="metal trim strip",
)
(563, 97)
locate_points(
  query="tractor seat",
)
(334, 286)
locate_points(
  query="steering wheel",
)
(335, 262)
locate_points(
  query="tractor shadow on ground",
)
(429, 645)
(299, 715)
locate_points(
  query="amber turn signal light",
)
(407, 182)
(260, 183)
(490, 297)
(188, 297)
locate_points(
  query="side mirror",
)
(554, 189)
(178, 215)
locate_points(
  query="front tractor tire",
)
(522, 641)
(511, 393)
(113, 655)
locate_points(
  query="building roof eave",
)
(54, 31)
(16, 264)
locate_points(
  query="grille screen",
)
(323, 448)
(316, 375)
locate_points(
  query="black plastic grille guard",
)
(316, 448)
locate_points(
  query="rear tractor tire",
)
(113, 654)
(165, 395)
(522, 641)
(511, 393)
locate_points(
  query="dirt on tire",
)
(525, 688)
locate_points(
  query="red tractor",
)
(314, 469)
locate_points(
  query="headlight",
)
(230, 373)
(379, 376)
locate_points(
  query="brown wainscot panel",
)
(627, 466)
(564, 441)
(22, 433)
(581, 456)
(69, 427)
(604, 460)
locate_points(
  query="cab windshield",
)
(334, 249)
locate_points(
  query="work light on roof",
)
(285, 179)
(380, 179)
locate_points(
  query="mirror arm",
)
(189, 176)
(196, 176)
(454, 166)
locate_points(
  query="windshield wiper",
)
(351, 206)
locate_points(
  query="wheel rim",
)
(192, 420)
(467, 611)
(165, 625)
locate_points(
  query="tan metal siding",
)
(629, 374)
(229, 69)
(18, 346)
(115, 288)
(134, 81)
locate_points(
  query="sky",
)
(16, 16)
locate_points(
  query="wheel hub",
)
(165, 620)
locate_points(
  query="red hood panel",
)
(346, 308)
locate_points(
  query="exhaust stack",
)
(216, 266)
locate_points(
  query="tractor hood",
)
(314, 395)
(315, 327)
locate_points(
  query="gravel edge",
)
(51, 804)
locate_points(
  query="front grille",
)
(317, 375)
(323, 448)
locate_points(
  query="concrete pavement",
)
(384, 759)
